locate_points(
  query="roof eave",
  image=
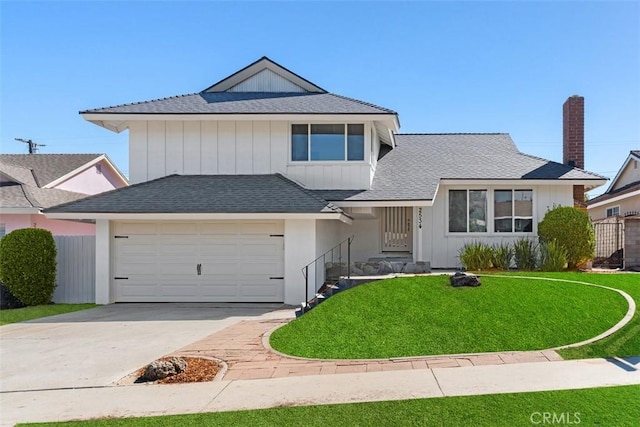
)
(193, 216)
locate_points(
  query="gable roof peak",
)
(264, 75)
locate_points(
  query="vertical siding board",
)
(279, 147)
(261, 147)
(209, 147)
(156, 137)
(174, 148)
(244, 147)
(75, 269)
(226, 147)
(137, 152)
(192, 148)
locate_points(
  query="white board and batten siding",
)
(162, 148)
(442, 248)
(75, 269)
(217, 261)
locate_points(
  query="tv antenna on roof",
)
(33, 146)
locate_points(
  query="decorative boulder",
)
(385, 267)
(463, 279)
(8, 300)
(164, 368)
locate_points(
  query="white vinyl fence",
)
(76, 269)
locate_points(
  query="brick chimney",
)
(573, 140)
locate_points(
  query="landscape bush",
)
(553, 257)
(571, 228)
(28, 265)
(502, 256)
(476, 256)
(525, 254)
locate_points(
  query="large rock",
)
(419, 267)
(384, 268)
(463, 279)
(8, 300)
(164, 368)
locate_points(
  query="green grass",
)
(612, 406)
(416, 316)
(37, 311)
(625, 342)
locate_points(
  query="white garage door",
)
(222, 261)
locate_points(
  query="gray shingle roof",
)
(46, 167)
(205, 194)
(635, 153)
(27, 196)
(625, 189)
(248, 103)
(413, 169)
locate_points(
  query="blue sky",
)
(444, 66)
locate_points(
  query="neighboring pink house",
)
(31, 182)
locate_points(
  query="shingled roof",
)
(248, 103)
(415, 167)
(205, 194)
(44, 168)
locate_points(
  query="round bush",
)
(28, 265)
(571, 229)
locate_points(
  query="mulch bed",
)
(198, 370)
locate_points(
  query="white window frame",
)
(468, 233)
(367, 144)
(612, 209)
(491, 212)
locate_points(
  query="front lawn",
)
(612, 406)
(416, 316)
(37, 311)
(623, 343)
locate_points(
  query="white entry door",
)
(396, 229)
(222, 261)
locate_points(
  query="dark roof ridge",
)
(558, 163)
(368, 104)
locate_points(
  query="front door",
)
(396, 229)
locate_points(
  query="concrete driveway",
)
(99, 346)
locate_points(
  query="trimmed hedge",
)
(571, 228)
(28, 265)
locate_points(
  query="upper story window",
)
(614, 211)
(327, 142)
(513, 211)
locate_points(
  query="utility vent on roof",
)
(266, 81)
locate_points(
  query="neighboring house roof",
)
(205, 194)
(45, 168)
(627, 189)
(24, 178)
(14, 195)
(414, 169)
(248, 103)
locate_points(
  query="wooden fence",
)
(76, 269)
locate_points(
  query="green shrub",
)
(502, 256)
(573, 231)
(28, 265)
(553, 257)
(525, 254)
(476, 256)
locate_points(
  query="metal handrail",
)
(305, 269)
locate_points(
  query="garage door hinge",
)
(276, 235)
(120, 237)
(276, 278)
(121, 278)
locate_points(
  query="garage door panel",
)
(237, 261)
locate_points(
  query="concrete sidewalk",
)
(144, 400)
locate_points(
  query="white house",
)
(236, 188)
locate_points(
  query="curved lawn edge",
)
(615, 328)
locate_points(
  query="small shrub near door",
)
(28, 265)
(476, 256)
(573, 231)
